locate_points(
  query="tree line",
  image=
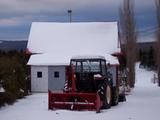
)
(128, 39)
(147, 59)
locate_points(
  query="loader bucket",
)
(74, 101)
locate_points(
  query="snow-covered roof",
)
(48, 59)
(64, 40)
(88, 57)
(111, 59)
(56, 60)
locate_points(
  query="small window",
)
(39, 74)
(56, 74)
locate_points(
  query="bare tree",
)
(158, 39)
(127, 24)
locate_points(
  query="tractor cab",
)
(90, 72)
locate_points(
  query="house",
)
(52, 45)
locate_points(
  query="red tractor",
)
(91, 85)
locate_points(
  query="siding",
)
(39, 84)
(56, 84)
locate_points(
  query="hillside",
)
(12, 45)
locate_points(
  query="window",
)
(91, 66)
(56, 74)
(39, 74)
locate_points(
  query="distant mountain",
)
(13, 45)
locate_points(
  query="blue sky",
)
(16, 16)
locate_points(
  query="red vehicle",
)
(90, 86)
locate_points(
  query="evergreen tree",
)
(13, 76)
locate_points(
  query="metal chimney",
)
(70, 15)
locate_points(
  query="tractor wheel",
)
(105, 94)
(115, 96)
(107, 97)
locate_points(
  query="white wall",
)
(56, 84)
(39, 84)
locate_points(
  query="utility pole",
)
(70, 15)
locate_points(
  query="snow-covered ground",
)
(143, 103)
